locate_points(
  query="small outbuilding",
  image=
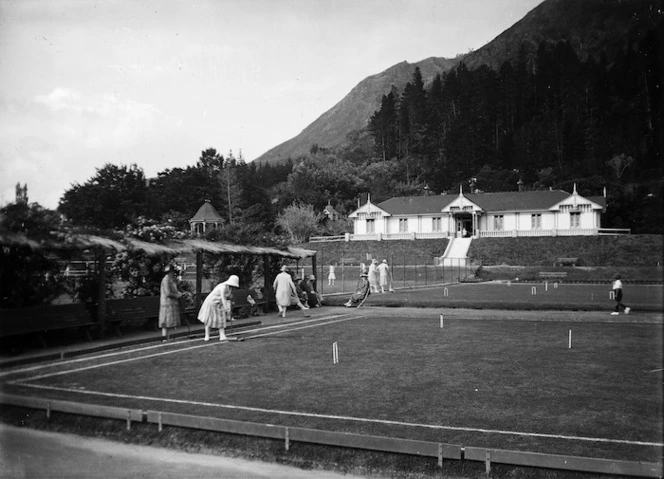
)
(206, 218)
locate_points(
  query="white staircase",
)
(456, 252)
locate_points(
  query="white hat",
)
(284, 268)
(233, 281)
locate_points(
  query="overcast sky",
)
(154, 82)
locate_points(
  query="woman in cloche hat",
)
(216, 309)
(169, 306)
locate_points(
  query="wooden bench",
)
(566, 262)
(242, 308)
(144, 310)
(348, 261)
(42, 319)
(132, 310)
(555, 275)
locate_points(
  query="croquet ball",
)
(475, 389)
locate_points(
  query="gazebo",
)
(330, 213)
(205, 218)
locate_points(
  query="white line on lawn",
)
(330, 320)
(357, 419)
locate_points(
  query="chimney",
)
(520, 184)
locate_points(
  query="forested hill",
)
(593, 28)
(604, 30)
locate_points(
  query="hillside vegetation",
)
(627, 250)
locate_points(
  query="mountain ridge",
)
(601, 28)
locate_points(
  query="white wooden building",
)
(523, 213)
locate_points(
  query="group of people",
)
(374, 279)
(216, 309)
(302, 292)
(380, 277)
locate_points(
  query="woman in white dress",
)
(216, 308)
(331, 276)
(374, 276)
(385, 277)
(285, 291)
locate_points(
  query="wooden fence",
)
(287, 434)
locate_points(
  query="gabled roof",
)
(330, 211)
(488, 202)
(416, 205)
(370, 209)
(600, 200)
(207, 214)
(518, 200)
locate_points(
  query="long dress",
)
(331, 275)
(216, 309)
(373, 276)
(284, 289)
(363, 289)
(383, 270)
(169, 306)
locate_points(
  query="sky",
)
(84, 83)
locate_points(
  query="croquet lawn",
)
(533, 296)
(508, 384)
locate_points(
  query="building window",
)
(371, 226)
(403, 225)
(575, 220)
(536, 221)
(498, 222)
(436, 224)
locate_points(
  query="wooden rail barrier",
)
(569, 463)
(343, 439)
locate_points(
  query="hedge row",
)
(610, 250)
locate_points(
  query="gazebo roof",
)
(206, 214)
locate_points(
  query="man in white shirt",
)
(617, 295)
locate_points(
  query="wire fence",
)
(403, 274)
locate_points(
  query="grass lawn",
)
(502, 295)
(509, 384)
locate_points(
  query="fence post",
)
(404, 270)
(322, 272)
(343, 283)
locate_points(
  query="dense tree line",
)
(550, 121)
(120, 196)
(555, 114)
